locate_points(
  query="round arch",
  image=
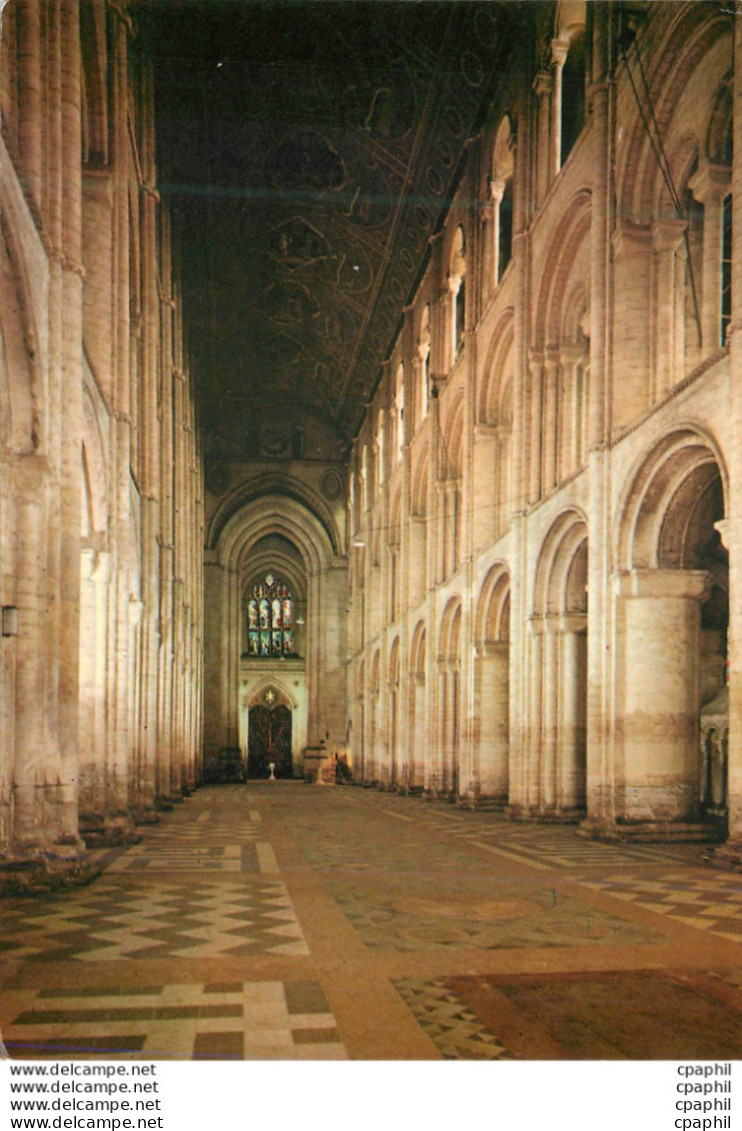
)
(496, 369)
(420, 484)
(672, 590)
(655, 516)
(418, 662)
(562, 254)
(669, 73)
(492, 623)
(561, 574)
(453, 437)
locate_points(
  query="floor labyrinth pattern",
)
(498, 916)
(157, 920)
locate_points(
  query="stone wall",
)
(576, 447)
(100, 694)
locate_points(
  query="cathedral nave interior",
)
(368, 419)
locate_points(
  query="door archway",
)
(269, 727)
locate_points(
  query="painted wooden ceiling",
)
(308, 151)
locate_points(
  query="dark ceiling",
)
(308, 151)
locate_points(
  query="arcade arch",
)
(556, 774)
(672, 616)
(492, 687)
(449, 701)
(418, 738)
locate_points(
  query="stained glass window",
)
(270, 618)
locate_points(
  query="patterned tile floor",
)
(157, 919)
(490, 917)
(219, 1021)
(708, 902)
(283, 921)
(575, 1017)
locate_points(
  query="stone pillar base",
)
(166, 802)
(35, 871)
(145, 815)
(650, 832)
(108, 831)
(440, 795)
(477, 803)
(536, 816)
(727, 856)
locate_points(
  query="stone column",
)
(438, 760)
(430, 705)
(497, 192)
(485, 495)
(504, 478)
(549, 715)
(417, 735)
(733, 849)
(668, 238)
(372, 754)
(455, 728)
(559, 49)
(417, 571)
(520, 459)
(440, 532)
(149, 438)
(94, 799)
(599, 401)
(542, 86)
(525, 767)
(32, 739)
(71, 427)
(491, 714)
(454, 286)
(709, 185)
(535, 365)
(659, 781)
(487, 274)
(551, 417)
(454, 534)
(30, 98)
(215, 655)
(392, 758)
(571, 752)
(167, 773)
(568, 451)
